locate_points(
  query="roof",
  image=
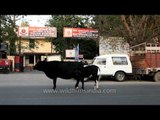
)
(112, 54)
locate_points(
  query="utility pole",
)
(0, 29)
(19, 45)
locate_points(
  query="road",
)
(36, 89)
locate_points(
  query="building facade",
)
(34, 50)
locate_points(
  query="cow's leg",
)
(54, 83)
(96, 82)
(77, 77)
(82, 80)
(99, 77)
(77, 83)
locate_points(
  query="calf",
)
(90, 71)
(61, 69)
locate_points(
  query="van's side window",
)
(100, 61)
(119, 61)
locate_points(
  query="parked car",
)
(115, 65)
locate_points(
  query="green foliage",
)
(88, 48)
(73, 21)
(24, 24)
(31, 43)
(3, 27)
(59, 46)
(134, 28)
(107, 25)
(7, 31)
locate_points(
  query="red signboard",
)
(37, 32)
(80, 32)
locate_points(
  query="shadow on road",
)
(143, 78)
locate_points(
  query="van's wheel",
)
(156, 77)
(120, 76)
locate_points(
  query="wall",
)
(41, 46)
(112, 45)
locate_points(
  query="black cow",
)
(61, 69)
(90, 72)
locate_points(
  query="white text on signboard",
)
(80, 32)
(37, 32)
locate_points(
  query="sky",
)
(34, 20)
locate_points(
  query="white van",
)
(116, 65)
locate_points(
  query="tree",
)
(61, 21)
(141, 28)
(3, 24)
(8, 30)
(12, 35)
(24, 24)
(107, 25)
(88, 48)
(134, 29)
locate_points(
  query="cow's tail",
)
(99, 76)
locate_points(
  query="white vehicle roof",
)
(113, 54)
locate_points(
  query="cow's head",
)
(39, 66)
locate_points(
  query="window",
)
(31, 43)
(119, 61)
(100, 61)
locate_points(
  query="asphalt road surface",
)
(34, 88)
